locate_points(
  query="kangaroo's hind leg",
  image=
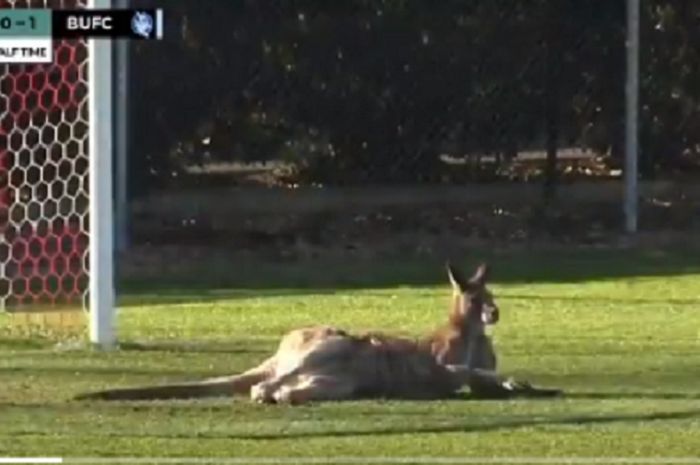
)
(263, 392)
(311, 388)
(255, 375)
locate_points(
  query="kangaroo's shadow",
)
(436, 429)
(633, 395)
(461, 428)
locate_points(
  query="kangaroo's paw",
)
(513, 385)
(525, 389)
(285, 395)
(262, 393)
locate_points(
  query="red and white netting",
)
(44, 176)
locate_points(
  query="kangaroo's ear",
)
(459, 284)
(481, 275)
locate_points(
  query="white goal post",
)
(101, 249)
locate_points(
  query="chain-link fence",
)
(381, 92)
(361, 94)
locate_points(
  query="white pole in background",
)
(100, 156)
(632, 117)
(121, 107)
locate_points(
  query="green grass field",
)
(618, 331)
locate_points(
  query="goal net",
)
(55, 180)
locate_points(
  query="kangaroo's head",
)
(473, 304)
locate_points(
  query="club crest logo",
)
(142, 24)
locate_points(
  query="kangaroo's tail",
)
(212, 387)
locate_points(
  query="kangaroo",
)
(463, 339)
(323, 363)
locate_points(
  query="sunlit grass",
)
(625, 348)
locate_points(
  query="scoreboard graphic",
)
(26, 35)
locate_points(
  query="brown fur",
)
(325, 363)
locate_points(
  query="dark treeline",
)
(360, 91)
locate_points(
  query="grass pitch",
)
(618, 331)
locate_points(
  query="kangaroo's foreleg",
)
(482, 383)
(488, 384)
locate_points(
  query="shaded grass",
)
(624, 347)
(227, 277)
